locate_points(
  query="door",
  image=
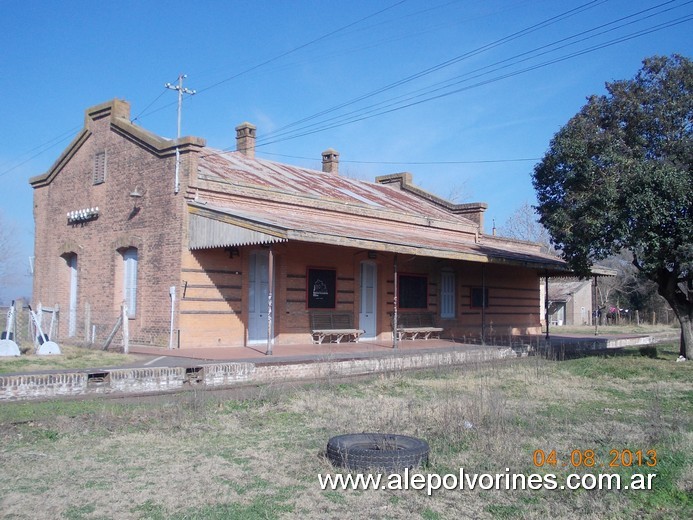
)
(72, 322)
(367, 320)
(258, 297)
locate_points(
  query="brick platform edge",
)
(223, 375)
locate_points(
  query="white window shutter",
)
(447, 295)
(130, 281)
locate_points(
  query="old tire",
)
(390, 452)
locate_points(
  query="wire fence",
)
(103, 330)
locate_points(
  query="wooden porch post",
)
(394, 315)
(270, 286)
(483, 304)
(595, 307)
(546, 301)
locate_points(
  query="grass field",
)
(71, 357)
(256, 455)
(624, 328)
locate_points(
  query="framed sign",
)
(480, 297)
(322, 288)
(413, 291)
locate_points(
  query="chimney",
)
(245, 139)
(330, 161)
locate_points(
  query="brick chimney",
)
(330, 161)
(245, 139)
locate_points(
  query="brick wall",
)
(214, 311)
(152, 223)
(167, 379)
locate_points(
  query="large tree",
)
(619, 176)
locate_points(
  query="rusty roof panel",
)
(336, 229)
(236, 169)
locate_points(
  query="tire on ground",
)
(390, 452)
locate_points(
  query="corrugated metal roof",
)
(369, 233)
(208, 233)
(238, 170)
(266, 201)
(563, 291)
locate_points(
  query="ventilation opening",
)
(97, 378)
(100, 168)
(194, 375)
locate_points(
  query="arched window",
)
(71, 260)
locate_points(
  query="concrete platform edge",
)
(154, 380)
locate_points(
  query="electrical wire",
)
(429, 93)
(482, 83)
(44, 147)
(57, 140)
(528, 30)
(287, 53)
(411, 163)
(275, 136)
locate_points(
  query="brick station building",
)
(211, 248)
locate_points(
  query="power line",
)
(383, 108)
(279, 134)
(44, 147)
(53, 142)
(148, 106)
(287, 53)
(411, 163)
(447, 63)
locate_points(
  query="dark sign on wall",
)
(322, 288)
(413, 291)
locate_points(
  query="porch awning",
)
(206, 233)
(212, 226)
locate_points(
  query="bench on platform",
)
(417, 325)
(333, 326)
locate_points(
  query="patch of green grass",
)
(263, 507)
(78, 512)
(628, 365)
(429, 514)
(625, 328)
(150, 510)
(348, 390)
(30, 487)
(70, 358)
(98, 484)
(336, 497)
(666, 492)
(26, 411)
(504, 511)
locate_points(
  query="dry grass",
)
(71, 357)
(211, 455)
(620, 328)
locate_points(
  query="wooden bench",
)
(333, 326)
(417, 325)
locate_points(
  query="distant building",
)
(244, 250)
(570, 301)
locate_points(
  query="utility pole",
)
(181, 90)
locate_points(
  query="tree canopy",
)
(619, 176)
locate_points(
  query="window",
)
(479, 297)
(447, 294)
(100, 168)
(74, 284)
(413, 291)
(130, 281)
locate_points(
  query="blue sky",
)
(477, 75)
